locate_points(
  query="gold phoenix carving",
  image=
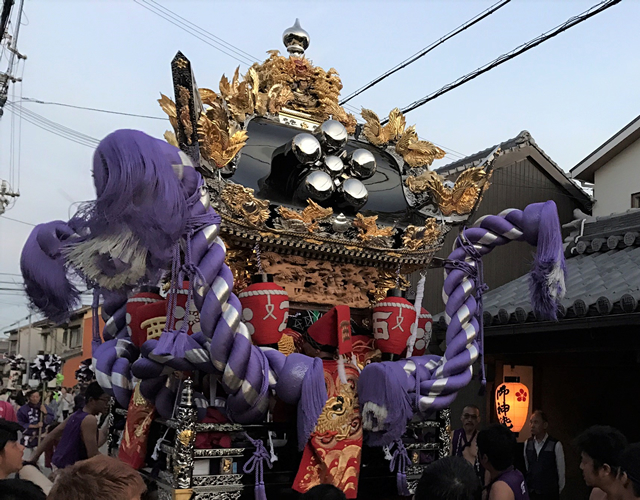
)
(415, 153)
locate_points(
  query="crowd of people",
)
(483, 464)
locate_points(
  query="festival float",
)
(252, 270)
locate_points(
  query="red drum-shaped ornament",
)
(425, 324)
(392, 321)
(139, 307)
(265, 310)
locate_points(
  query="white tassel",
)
(555, 280)
(417, 305)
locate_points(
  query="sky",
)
(571, 93)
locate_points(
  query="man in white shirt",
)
(544, 461)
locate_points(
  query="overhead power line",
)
(198, 32)
(596, 9)
(98, 110)
(16, 220)
(474, 20)
(51, 126)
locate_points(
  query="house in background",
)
(522, 174)
(579, 369)
(70, 340)
(614, 169)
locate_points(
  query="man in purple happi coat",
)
(33, 417)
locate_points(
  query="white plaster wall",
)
(616, 181)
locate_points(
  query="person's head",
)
(470, 418)
(627, 484)
(19, 489)
(33, 397)
(600, 448)
(324, 492)
(10, 448)
(63, 391)
(539, 424)
(496, 447)
(98, 477)
(450, 478)
(96, 400)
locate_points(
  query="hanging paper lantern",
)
(147, 295)
(45, 367)
(85, 374)
(512, 405)
(265, 310)
(423, 336)
(393, 318)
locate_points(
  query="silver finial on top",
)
(296, 40)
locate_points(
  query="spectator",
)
(496, 449)
(627, 485)
(600, 448)
(544, 461)
(78, 436)
(450, 478)
(66, 402)
(97, 478)
(324, 492)
(19, 489)
(7, 411)
(11, 457)
(464, 439)
(33, 417)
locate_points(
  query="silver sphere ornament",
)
(355, 193)
(296, 39)
(333, 135)
(306, 148)
(318, 185)
(448, 184)
(363, 163)
(340, 224)
(333, 165)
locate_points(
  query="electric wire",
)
(187, 29)
(232, 47)
(474, 20)
(53, 127)
(596, 9)
(97, 110)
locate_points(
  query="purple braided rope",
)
(436, 380)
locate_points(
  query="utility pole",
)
(12, 46)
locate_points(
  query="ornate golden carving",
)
(313, 281)
(387, 280)
(416, 153)
(416, 237)
(186, 436)
(169, 107)
(241, 201)
(240, 262)
(310, 216)
(369, 229)
(220, 140)
(461, 198)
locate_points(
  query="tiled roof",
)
(522, 140)
(603, 275)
